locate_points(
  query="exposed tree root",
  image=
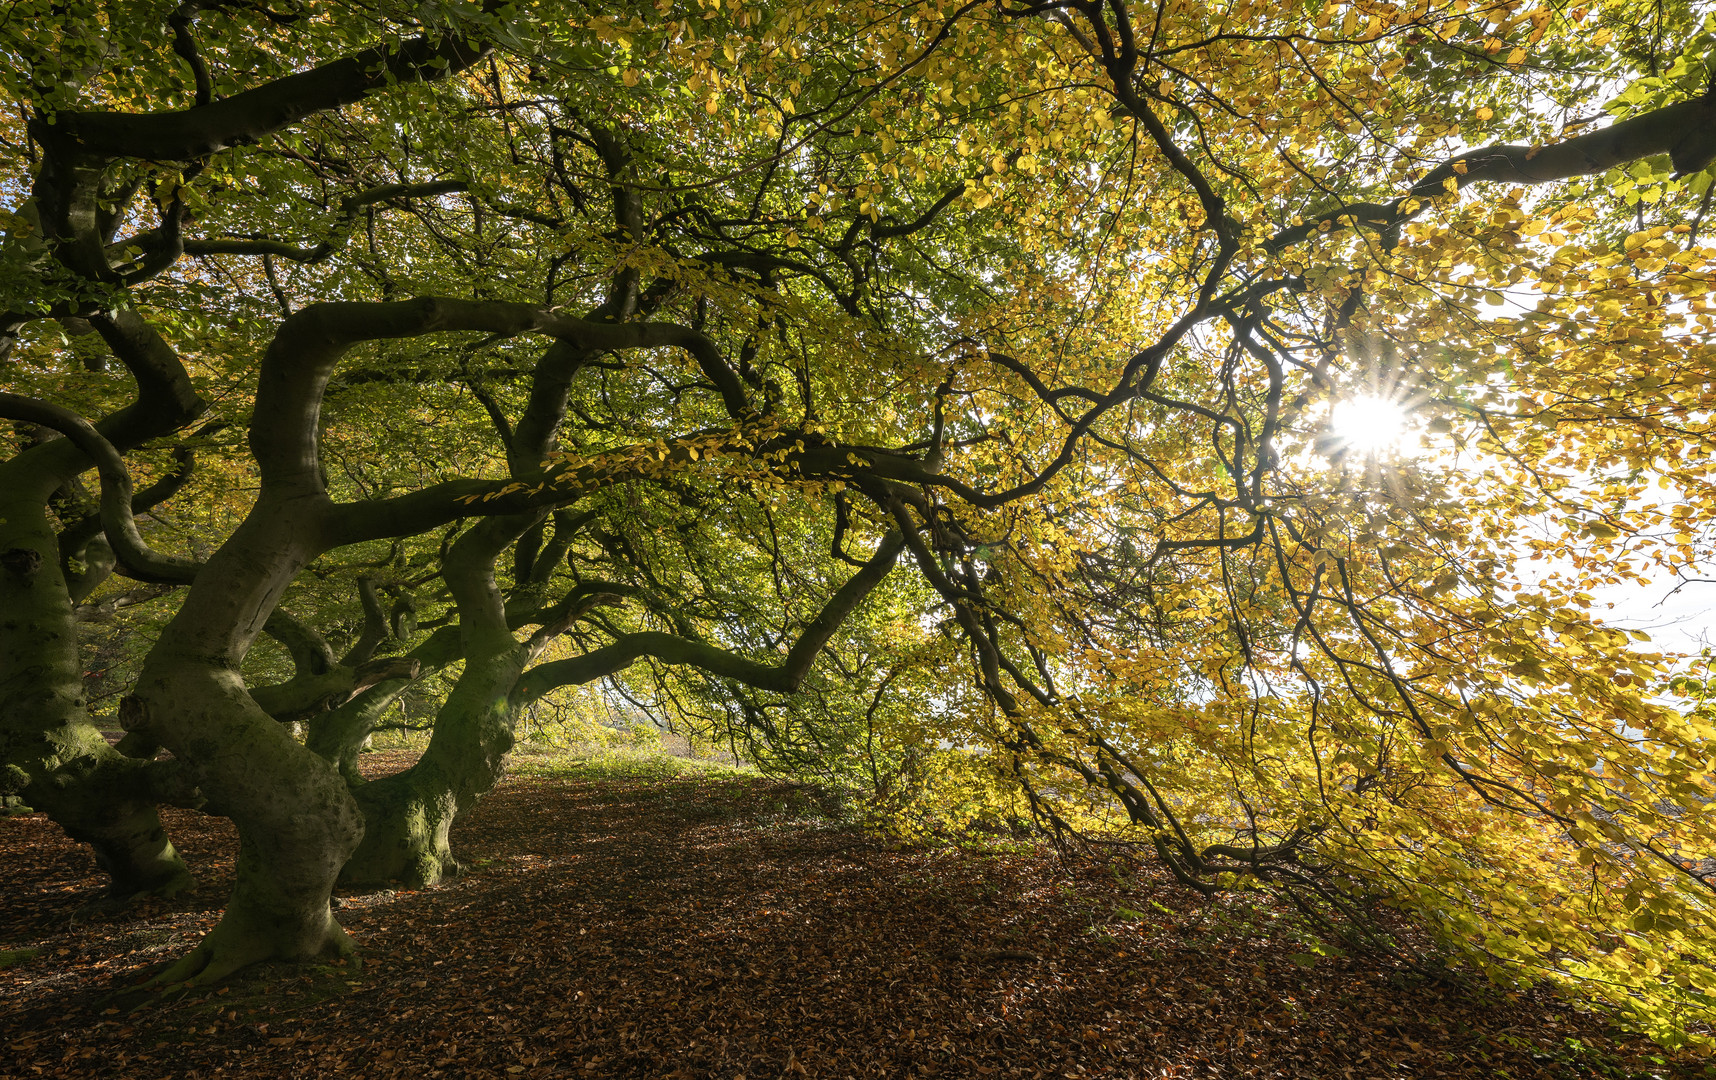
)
(220, 955)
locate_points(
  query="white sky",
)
(1678, 620)
(1682, 622)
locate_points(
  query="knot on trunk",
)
(13, 780)
(21, 561)
(133, 714)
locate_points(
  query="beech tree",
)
(658, 335)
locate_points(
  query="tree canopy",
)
(940, 397)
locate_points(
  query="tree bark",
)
(338, 734)
(53, 756)
(296, 820)
(51, 753)
(408, 815)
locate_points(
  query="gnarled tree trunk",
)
(53, 756)
(296, 820)
(408, 815)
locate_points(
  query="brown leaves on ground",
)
(653, 925)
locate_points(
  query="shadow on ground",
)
(714, 925)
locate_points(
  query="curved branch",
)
(783, 678)
(375, 623)
(1678, 130)
(166, 399)
(186, 47)
(307, 346)
(311, 654)
(145, 563)
(559, 618)
(80, 532)
(254, 114)
(304, 696)
(349, 206)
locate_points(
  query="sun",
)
(1371, 424)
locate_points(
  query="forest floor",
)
(665, 920)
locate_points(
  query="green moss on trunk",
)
(408, 816)
(55, 760)
(296, 820)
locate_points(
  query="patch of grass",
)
(739, 791)
(13, 957)
(397, 739)
(619, 763)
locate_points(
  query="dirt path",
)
(651, 926)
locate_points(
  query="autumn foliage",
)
(939, 400)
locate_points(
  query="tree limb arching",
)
(251, 115)
(148, 564)
(1675, 130)
(782, 678)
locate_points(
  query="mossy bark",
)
(51, 753)
(53, 756)
(296, 820)
(408, 816)
(339, 733)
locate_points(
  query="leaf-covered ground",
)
(654, 922)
